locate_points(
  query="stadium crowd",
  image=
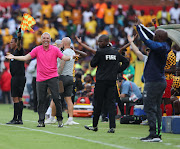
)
(87, 22)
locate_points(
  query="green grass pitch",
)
(28, 136)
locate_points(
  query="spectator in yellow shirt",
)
(143, 18)
(38, 34)
(91, 26)
(46, 10)
(53, 32)
(150, 17)
(77, 15)
(45, 26)
(109, 14)
(28, 40)
(7, 37)
(163, 16)
(66, 15)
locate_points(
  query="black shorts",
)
(68, 85)
(17, 86)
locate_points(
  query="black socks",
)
(16, 111)
(20, 110)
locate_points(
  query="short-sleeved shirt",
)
(129, 87)
(46, 62)
(17, 67)
(101, 8)
(47, 10)
(109, 15)
(69, 65)
(91, 26)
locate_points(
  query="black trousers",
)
(34, 93)
(104, 93)
(152, 97)
(53, 85)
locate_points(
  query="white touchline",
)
(64, 135)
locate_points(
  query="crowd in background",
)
(87, 22)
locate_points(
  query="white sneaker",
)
(50, 121)
(74, 123)
(145, 122)
(70, 123)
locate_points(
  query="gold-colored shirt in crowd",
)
(176, 82)
(171, 60)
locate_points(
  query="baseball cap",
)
(58, 42)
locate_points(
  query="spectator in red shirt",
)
(5, 84)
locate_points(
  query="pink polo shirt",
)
(46, 62)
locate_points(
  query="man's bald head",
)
(66, 41)
(161, 35)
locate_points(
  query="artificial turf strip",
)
(28, 136)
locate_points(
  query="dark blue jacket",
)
(154, 69)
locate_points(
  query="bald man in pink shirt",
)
(47, 75)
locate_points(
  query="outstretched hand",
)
(76, 56)
(154, 20)
(9, 56)
(130, 39)
(79, 40)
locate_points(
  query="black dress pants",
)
(104, 93)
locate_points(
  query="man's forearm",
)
(66, 58)
(19, 43)
(136, 51)
(88, 48)
(81, 53)
(20, 58)
(60, 70)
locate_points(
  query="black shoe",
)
(20, 122)
(12, 122)
(111, 130)
(41, 125)
(151, 138)
(60, 124)
(91, 128)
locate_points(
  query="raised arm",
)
(85, 46)
(126, 45)
(153, 45)
(19, 58)
(81, 53)
(19, 40)
(135, 48)
(147, 31)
